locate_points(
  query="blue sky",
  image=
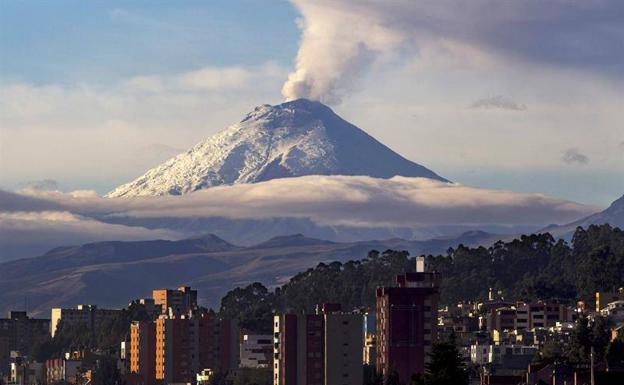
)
(94, 93)
(102, 41)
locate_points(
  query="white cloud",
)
(32, 233)
(97, 133)
(211, 78)
(499, 102)
(341, 200)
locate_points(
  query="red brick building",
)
(406, 324)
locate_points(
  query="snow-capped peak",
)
(296, 138)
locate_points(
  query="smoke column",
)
(341, 39)
(339, 42)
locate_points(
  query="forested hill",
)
(534, 266)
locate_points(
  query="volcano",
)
(296, 138)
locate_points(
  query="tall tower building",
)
(143, 351)
(318, 349)
(406, 323)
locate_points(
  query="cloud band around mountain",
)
(37, 220)
(352, 200)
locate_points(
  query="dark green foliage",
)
(105, 372)
(587, 334)
(252, 376)
(351, 284)
(218, 378)
(445, 366)
(615, 354)
(532, 267)
(552, 351)
(106, 339)
(371, 377)
(598, 256)
(252, 306)
(535, 267)
(392, 379)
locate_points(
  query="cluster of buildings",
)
(182, 343)
(501, 338)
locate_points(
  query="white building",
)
(27, 373)
(491, 354)
(204, 376)
(90, 315)
(615, 311)
(256, 351)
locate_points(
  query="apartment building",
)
(62, 370)
(256, 351)
(603, 298)
(26, 372)
(180, 300)
(90, 315)
(143, 351)
(526, 316)
(494, 354)
(324, 348)
(406, 323)
(18, 332)
(174, 349)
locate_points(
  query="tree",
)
(446, 366)
(552, 351)
(600, 337)
(393, 378)
(615, 354)
(252, 305)
(580, 343)
(253, 376)
(371, 377)
(106, 372)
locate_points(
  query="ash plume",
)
(341, 39)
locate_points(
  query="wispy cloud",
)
(81, 119)
(211, 78)
(574, 156)
(499, 102)
(41, 185)
(31, 233)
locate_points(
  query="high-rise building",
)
(143, 351)
(18, 332)
(406, 323)
(174, 349)
(318, 349)
(370, 339)
(90, 315)
(180, 300)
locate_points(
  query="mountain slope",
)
(111, 274)
(296, 138)
(613, 215)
